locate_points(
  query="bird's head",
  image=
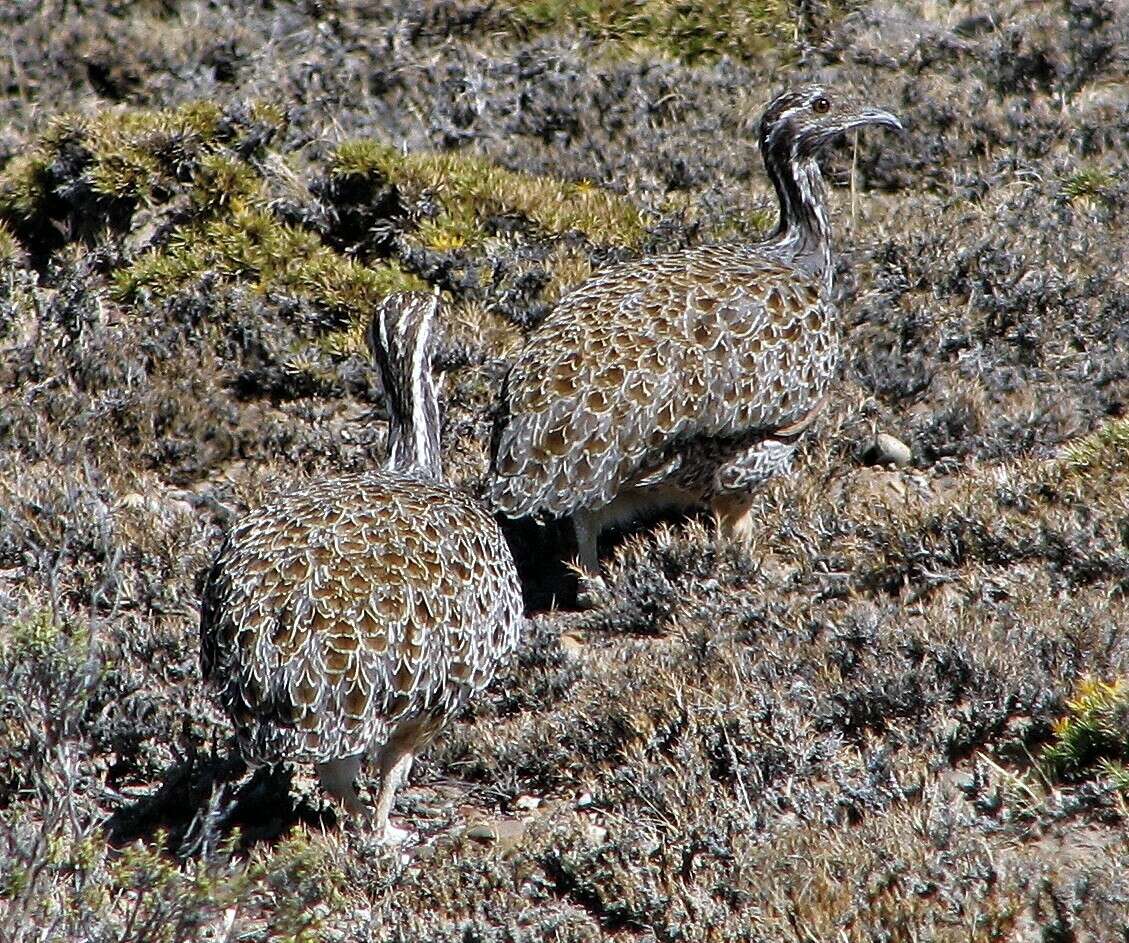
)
(801, 121)
(400, 335)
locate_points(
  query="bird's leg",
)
(592, 587)
(395, 764)
(734, 515)
(587, 528)
(736, 481)
(338, 778)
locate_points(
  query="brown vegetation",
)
(900, 713)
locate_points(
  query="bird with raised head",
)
(684, 379)
(351, 618)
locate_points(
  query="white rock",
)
(889, 450)
(597, 834)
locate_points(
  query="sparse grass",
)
(1087, 186)
(141, 893)
(1086, 182)
(692, 32)
(833, 731)
(1107, 448)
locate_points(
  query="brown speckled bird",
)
(351, 618)
(684, 379)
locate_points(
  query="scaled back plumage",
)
(353, 616)
(614, 381)
(336, 610)
(671, 373)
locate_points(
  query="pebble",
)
(597, 834)
(888, 450)
(505, 831)
(572, 644)
(483, 832)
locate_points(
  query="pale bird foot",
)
(735, 518)
(394, 836)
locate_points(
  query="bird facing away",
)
(684, 379)
(349, 619)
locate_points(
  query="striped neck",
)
(803, 233)
(401, 343)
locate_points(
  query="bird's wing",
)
(331, 613)
(641, 356)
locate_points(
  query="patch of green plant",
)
(87, 174)
(1089, 183)
(143, 893)
(131, 155)
(221, 181)
(742, 226)
(251, 245)
(24, 183)
(1108, 446)
(691, 32)
(48, 674)
(471, 191)
(37, 636)
(1093, 736)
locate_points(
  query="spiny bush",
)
(253, 246)
(84, 175)
(1093, 736)
(474, 195)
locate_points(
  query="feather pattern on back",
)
(671, 372)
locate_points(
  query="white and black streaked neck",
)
(795, 128)
(803, 233)
(401, 338)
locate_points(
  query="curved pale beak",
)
(878, 116)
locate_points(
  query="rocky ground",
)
(900, 713)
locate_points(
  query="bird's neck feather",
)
(413, 436)
(413, 403)
(803, 234)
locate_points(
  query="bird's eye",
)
(821, 105)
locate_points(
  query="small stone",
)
(584, 801)
(505, 832)
(572, 644)
(888, 450)
(133, 501)
(526, 803)
(789, 820)
(597, 834)
(483, 832)
(508, 831)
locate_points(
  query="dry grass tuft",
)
(897, 712)
(695, 33)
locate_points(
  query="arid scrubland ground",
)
(900, 714)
